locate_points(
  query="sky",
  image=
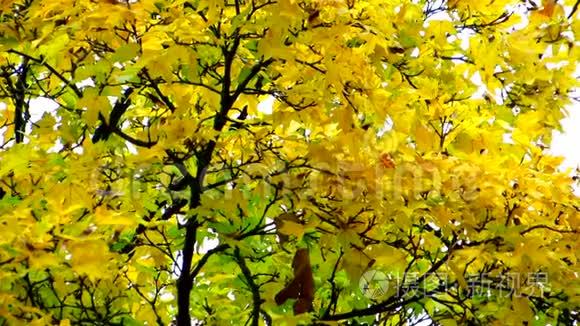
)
(567, 144)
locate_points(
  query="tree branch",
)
(104, 131)
(574, 9)
(253, 287)
(72, 86)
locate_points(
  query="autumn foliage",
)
(260, 162)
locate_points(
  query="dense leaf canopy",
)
(263, 161)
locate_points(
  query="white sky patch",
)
(39, 106)
(507, 138)
(387, 126)
(481, 89)
(497, 96)
(556, 65)
(267, 106)
(57, 147)
(112, 100)
(415, 53)
(85, 83)
(566, 144)
(208, 244)
(166, 296)
(131, 148)
(464, 37)
(520, 11)
(78, 150)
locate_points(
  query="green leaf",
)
(8, 42)
(244, 74)
(126, 52)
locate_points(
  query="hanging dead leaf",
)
(302, 285)
(387, 161)
(549, 6)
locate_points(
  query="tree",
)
(265, 161)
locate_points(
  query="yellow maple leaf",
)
(90, 258)
(65, 322)
(292, 228)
